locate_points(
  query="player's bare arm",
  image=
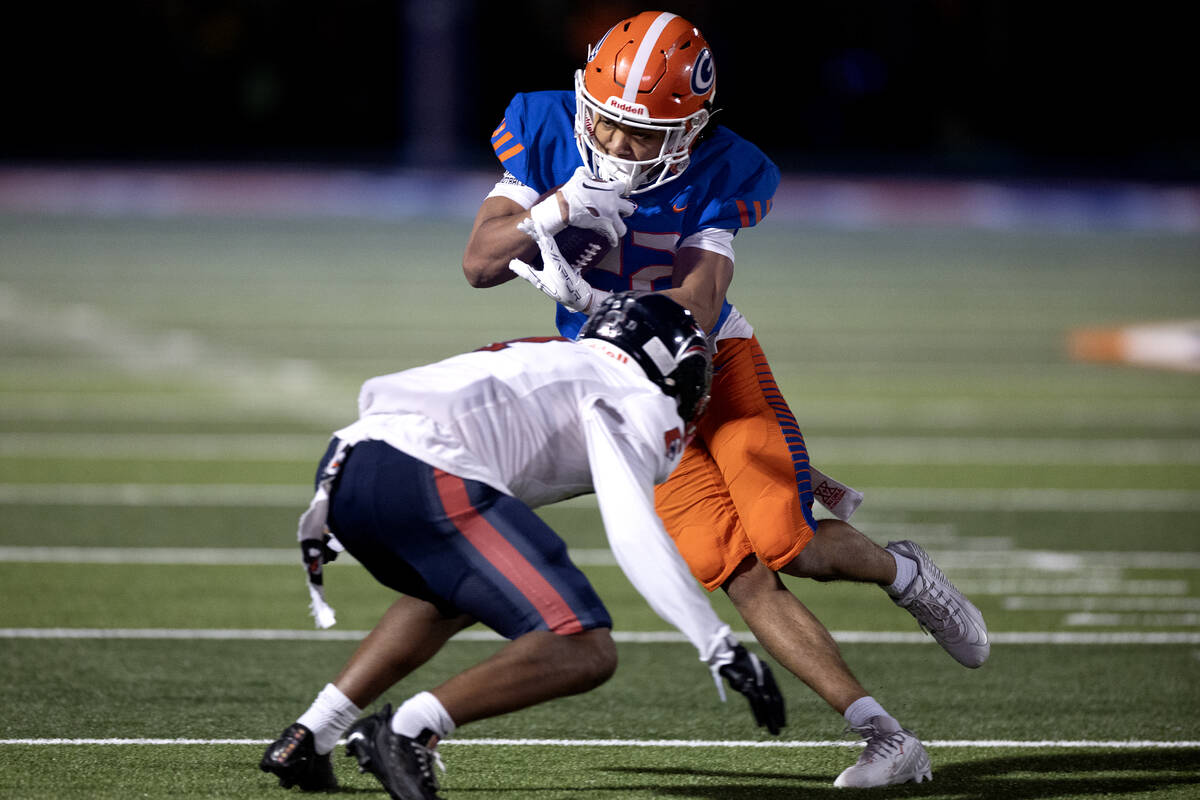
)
(699, 283)
(583, 201)
(495, 241)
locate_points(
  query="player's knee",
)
(810, 563)
(595, 657)
(750, 582)
(824, 557)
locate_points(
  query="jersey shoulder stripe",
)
(737, 175)
(503, 144)
(536, 140)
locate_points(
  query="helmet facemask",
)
(636, 176)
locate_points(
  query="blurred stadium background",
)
(984, 115)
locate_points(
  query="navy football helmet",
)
(664, 339)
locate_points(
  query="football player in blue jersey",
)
(634, 157)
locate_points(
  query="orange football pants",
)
(742, 486)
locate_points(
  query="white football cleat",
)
(892, 755)
(943, 610)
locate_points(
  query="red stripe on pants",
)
(500, 553)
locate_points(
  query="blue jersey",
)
(729, 184)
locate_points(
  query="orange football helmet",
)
(652, 71)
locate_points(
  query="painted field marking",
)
(1025, 451)
(855, 450)
(1117, 604)
(1037, 744)
(1114, 620)
(625, 637)
(961, 413)
(164, 446)
(986, 562)
(880, 498)
(291, 387)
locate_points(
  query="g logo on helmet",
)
(704, 73)
(591, 56)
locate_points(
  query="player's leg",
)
(472, 553)
(761, 463)
(792, 634)
(756, 443)
(695, 508)
(762, 458)
(301, 754)
(400, 748)
(531, 669)
(786, 628)
(758, 452)
(410, 632)
(698, 512)
(840, 552)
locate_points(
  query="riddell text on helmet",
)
(628, 108)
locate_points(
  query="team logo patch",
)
(704, 73)
(828, 495)
(596, 48)
(673, 440)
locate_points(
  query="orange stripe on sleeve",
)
(510, 152)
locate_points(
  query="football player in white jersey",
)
(432, 490)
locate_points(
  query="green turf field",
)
(166, 387)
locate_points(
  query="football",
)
(581, 247)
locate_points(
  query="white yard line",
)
(157, 494)
(625, 637)
(292, 388)
(852, 450)
(1036, 744)
(165, 446)
(971, 561)
(877, 498)
(1006, 450)
(1074, 585)
(204, 556)
(1093, 619)
(1118, 604)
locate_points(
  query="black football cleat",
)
(404, 766)
(294, 759)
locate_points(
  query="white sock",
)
(422, 712)
(863, 710)
(328, 717)
(906, 570)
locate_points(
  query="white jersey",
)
(546, 420)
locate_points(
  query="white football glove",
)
(558, 279)
(593, 204)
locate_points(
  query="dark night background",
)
(947, 88)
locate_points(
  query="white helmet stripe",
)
(643, 55)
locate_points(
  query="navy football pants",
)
(459, 544)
